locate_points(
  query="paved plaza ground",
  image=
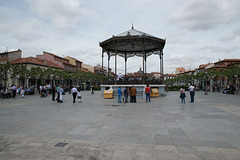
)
(102, 129)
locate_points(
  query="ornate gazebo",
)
(133, 43)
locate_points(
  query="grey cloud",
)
(231, 36)
(215, 49)
(186, 61)
(26, 30)
(64, 15)
(90, 56)
(205, 14)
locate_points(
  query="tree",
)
(76, 77)
(200, 77)
(53, 74)
(63, 75)
(211, 74)
(40, 74)
(236, 69)
(25, 73)
(229, 73)
(12, 69)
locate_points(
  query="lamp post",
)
(206, 84)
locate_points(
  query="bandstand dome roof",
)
(133, 43)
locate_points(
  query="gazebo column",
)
(115, 65)
(162, 63)
(125, 64)
(145, 65)
(143, 50)
(102, 63)
(143, 80)
(108, 64)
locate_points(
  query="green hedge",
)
(176, 88)
(97, 88)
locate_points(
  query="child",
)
(79, 96)
(61, 95)
(182, 95)
(22, 92)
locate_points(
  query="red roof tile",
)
(228, 60)
(51, 64)
(181, 69)
(30, 60)
(33, 60)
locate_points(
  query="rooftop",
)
(33, 60)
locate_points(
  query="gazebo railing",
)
(122, 82)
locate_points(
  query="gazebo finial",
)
(132, 26)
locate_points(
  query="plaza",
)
(102, 129)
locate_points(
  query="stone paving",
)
(102, 129)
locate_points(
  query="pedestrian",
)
(14, 89)
(53, 90)
(61, 94)
(182, 95)
(192, 92)
(58, 93)
(133, 94)
(79, 96)
(22, 92)
(119, 94)
(92, 89)
(126, 94)
(40, 90)
(147, 91)
(74, 93)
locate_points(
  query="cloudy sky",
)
(196, 31)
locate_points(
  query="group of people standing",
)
(76, 92)
(183, 95)
(133, 93)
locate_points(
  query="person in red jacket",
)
(147, 91)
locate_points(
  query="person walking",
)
(79, 96)
(92, 88)
(119, 94)
(133, 94)
(14, 89)
(61, 94)
(182, 95)
(40, 90)
(58, 93)
(74, 93)
(192, 93)
(147, 91)
(53, 90)
(125, 92)
(22, 92)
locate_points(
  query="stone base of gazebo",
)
(140, 89)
